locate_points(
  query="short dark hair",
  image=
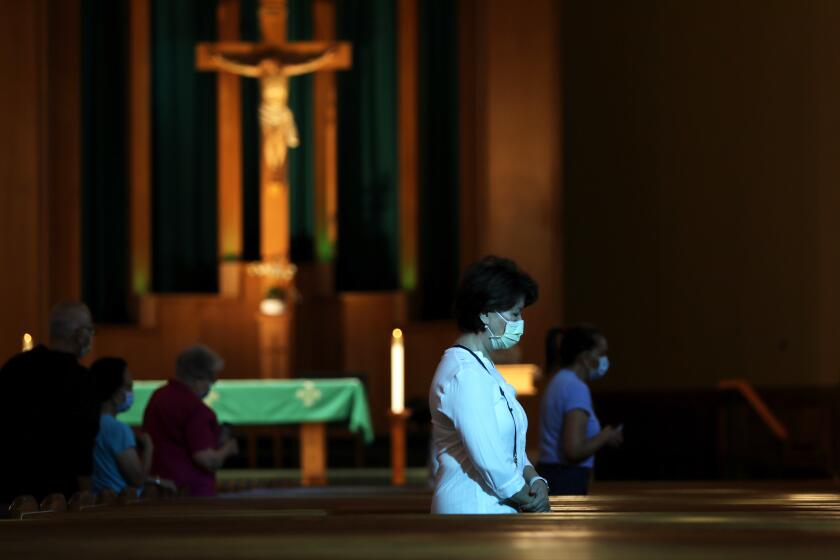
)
(491, 284)
(563, 345)
(108, 376)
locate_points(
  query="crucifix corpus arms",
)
(273, 65)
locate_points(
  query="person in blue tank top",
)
(570, 433)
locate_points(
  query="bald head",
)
(71, 328)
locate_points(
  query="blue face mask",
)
(127, 402)
(601, 370)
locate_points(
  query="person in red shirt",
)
(190, 446)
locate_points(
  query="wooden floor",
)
(790, 521)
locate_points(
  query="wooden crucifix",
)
(273, 62)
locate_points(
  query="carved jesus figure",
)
(273, 67)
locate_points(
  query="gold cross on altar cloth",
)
(309, 394)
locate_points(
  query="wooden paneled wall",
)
(39, 165)
(512, 147)
(702, 142)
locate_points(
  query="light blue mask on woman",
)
(601, 370)
(127, 402)
(511, 335)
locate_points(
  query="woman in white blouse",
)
(478, 426)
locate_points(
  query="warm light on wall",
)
(521, 376)
(27, 342)
(397, 372)
(272, 307)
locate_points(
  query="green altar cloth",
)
(275, 401)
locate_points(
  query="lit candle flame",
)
(27, 342)
(397, 372)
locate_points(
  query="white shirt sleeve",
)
(470, 398)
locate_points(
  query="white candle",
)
(397, 372)
(27, 342)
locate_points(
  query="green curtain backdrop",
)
(302, 159)
(183, 149)
(249, 31)
(184, 159)
(104, 190)
(368, 230)
(438, 168)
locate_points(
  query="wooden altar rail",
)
(757, 404)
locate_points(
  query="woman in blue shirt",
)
(570, 432)
(116, 462)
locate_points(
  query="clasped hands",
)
(533, 499)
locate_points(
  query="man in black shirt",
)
(48, 415)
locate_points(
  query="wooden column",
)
(313, 454)
(140, 146)
(229, 103)
(24, 202)
(325, 141)
(407, 22)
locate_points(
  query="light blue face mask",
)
(127, 402)
(601, 370)
(511, 335)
